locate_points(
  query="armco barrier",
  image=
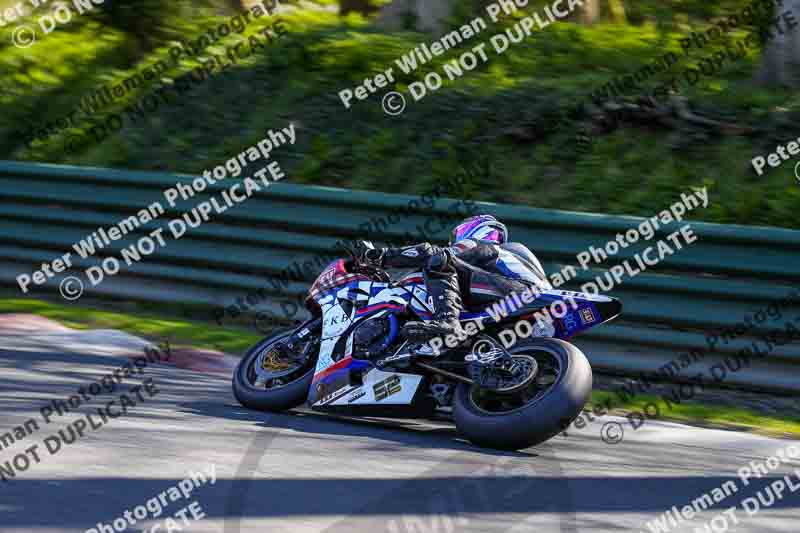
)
(730, 272)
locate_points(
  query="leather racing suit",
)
(469, 266)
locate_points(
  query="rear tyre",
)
(531, 416)
(279, 387)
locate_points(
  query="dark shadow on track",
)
(408, 432)
(281, 497)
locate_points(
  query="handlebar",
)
(360, 266)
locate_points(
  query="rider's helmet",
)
(482, 228)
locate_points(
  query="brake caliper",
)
(493, 367)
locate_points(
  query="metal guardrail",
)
(728, 274)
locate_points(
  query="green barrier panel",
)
(727, 274)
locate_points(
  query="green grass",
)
(233, 340)
(706, 415)
(298, 78)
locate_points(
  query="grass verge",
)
(232, 340)
(704, 415)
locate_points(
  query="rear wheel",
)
(535, 412)
(272, 378)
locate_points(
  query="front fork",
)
(303, 331)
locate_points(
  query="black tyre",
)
(280, 387)
(552, 400)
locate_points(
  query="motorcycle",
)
(349, 358)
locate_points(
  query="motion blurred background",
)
(705, 135)
(495, 132)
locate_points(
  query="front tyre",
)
(534, 414)
(267, 379)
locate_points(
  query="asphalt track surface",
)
(303, 472)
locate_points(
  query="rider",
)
(478, 247)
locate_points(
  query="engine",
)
(369, 337)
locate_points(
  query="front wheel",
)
(535, 413)
(268, 378)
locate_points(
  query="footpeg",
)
(490, 365)
(402, 357)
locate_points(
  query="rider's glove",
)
(373, 256)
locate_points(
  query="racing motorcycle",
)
(349, 358)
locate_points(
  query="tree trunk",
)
(591, 11)
(429, 15)
(617, 8)
(780, 63)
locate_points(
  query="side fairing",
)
(590, 310)
(381, 388)
(342, 309)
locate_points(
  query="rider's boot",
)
(443, 288)
(447, 305)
